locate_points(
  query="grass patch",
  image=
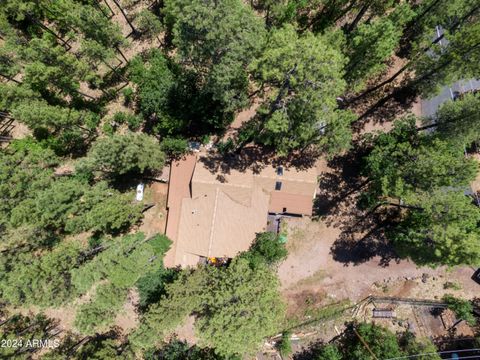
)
(295, 237)
(313, 279)
(316, 315)
(452, 285)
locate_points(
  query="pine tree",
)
(304, 77)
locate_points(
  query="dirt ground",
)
(155, 218)
(338, 256)
(310, 244)
(127, 319)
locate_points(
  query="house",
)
(430, 106)
(216, 213)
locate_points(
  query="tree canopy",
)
(459, 121)
(304, 76)
(405, 162)
(444, 230)
(97, 97)
(361, 340)
(228, 24)
(266, 249)
(235, 307)
(123, 154)
(428, 177)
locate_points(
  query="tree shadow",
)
(256, 158)
(341, 183)
(378, 108)
(311, 352)
(362, 235)
(451, 342)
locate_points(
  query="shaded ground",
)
(344, 255)
(155, 218)
(387, 103)
(257, 158)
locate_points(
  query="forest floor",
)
(155, 218)
(341, 256)
(341, 253)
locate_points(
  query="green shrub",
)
(133, 121)
(284, 346)
(128, 94)
(463, 309)
(108, 129)
(148, 23)
(266, 248)
(224, 147)
(174, 147)
(152, 286)
(452, 285)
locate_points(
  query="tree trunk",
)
(441, 66)
(345, 11)
(122, 54)
(455, 324)
(125, 16)
(426, 127)
(407, 65)
(74, 348)
(5, 321)
(359, 17)
(10, 78)
(267, 18)
(97, 5)
(451, 121)
(411, 207)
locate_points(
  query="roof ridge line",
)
(212, 226)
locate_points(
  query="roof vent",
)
(278, 185)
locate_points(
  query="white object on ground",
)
(139, 195)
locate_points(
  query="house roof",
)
(179, 188)
(215, 225)
(223, 176)
(281, 202)
(216, 213)
(245, 177)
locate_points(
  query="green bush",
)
(128, 94)
(463, 309)
(284, 346)
(133, 121)
(224, 147)
(108, 128)
(452, 285)
(152, 286)
(148, 23)
(120, 117)
(174, 147)
(266, 248)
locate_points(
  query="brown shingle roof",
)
(179, 188)
(281, 202)
(226, 208)
(215, 225)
